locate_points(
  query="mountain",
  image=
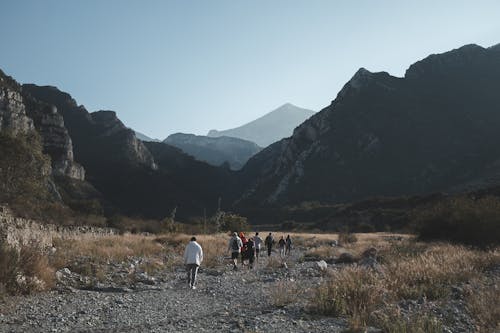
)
(135, 177)
(215, 151)
(39, 176)
(272, 127)
(432, 130)
(144, 137)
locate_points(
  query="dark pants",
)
(269, 250)
(192, 270)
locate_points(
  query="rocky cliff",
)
(20, 113)
(434, 129)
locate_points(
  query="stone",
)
(322, 265)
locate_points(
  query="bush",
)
(24, 271)
(461, 220)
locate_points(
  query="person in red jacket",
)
(243, 249)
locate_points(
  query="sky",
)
(189, 66)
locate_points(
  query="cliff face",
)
(432, 130)
(98, 136)
(20, 113)
(13, 115)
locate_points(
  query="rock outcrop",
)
(20, 113)
(13, 115)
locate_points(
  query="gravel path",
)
(224, 301)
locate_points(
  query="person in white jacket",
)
(193, 256)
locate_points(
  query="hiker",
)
(250, 252)
(281, 245)
(258, 243)
(235, 245)
(193, 256)
(243, 251)
(269, 243)
(288, 245)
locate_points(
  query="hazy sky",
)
(190, 66)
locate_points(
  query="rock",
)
(322, 265)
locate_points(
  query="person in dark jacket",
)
(269, 244)
(288, 245)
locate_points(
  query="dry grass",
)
(390, 319)
(482, 297)
(431, 273)
(323, 252)
(409, 270)
(284, 293)
(24, 271)
(109, 248)
(353, 291)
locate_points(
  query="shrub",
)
(24, 271)
(461, 220)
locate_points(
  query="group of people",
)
(249, 249)
(240, 247)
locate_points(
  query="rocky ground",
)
(225, 300)
(270, 298)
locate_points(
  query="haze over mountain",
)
(271, 127)
(144, 137)
(215, 151)
(434, 129)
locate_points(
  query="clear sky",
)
(190, 66)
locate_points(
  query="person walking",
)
(235, 245)
(288, 245)
(250, 252)
(193, 256)
(243, 249)
(258, 244)
(281, 245)
(269, 244)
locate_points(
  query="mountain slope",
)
(433, 129)
(215, 151)
(125, 169)
(272, 127)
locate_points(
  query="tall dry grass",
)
(483, 296)
(428, 272)
(353, 291)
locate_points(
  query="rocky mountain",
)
(21, 113)
(136, 177)
(215, 150)
(272, 127)
(434, 129)
(144, 137)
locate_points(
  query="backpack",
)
(234, 246)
